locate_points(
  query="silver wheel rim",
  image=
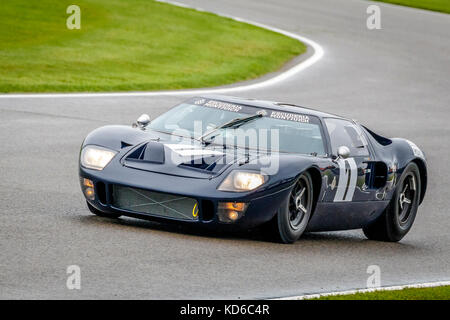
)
(298, 204)
(406, 198)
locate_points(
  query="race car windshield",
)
(268, 129)
(231, 124)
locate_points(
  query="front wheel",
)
(101, 214)
(398, 218)
(293, 215)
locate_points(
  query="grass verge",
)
(130, 45)
(434, 293)
(434, 5)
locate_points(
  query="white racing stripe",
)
(343, 178)
(346, 188)
(353, 177)
(318, 54)
(197, 152)
(390, 288)
(187, 150)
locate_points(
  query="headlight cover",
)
(241, 181)
(95, 157)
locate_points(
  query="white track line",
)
(338, 293)
(318, 54)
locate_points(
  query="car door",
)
(350, 176)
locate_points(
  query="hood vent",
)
(210, 164)
(149, 152)
(170, 159)
(123, 144)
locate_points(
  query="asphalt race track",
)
(395, 80)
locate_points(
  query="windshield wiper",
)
(235, 123)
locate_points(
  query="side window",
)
(345, 133)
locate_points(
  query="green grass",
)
(436, 293)
(130, 45)
(434, 5)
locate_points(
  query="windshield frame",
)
(259, 110)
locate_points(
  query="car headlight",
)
(94, 157)
(240, 181)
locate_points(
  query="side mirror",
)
(143, 121)
(343, 152)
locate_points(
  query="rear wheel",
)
(293, 215)
(101, 214)
(399, 216)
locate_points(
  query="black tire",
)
(293, 215)
(102, 214)
(398, 218)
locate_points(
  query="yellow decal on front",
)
(195, 210)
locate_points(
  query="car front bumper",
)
(172, 198)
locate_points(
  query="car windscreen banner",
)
(246, 109)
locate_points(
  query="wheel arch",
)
(316, 178)
(423, 177)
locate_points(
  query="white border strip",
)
(318, 54)
(392, 288)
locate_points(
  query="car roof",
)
(279, 106)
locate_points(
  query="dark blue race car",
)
(228, 162)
